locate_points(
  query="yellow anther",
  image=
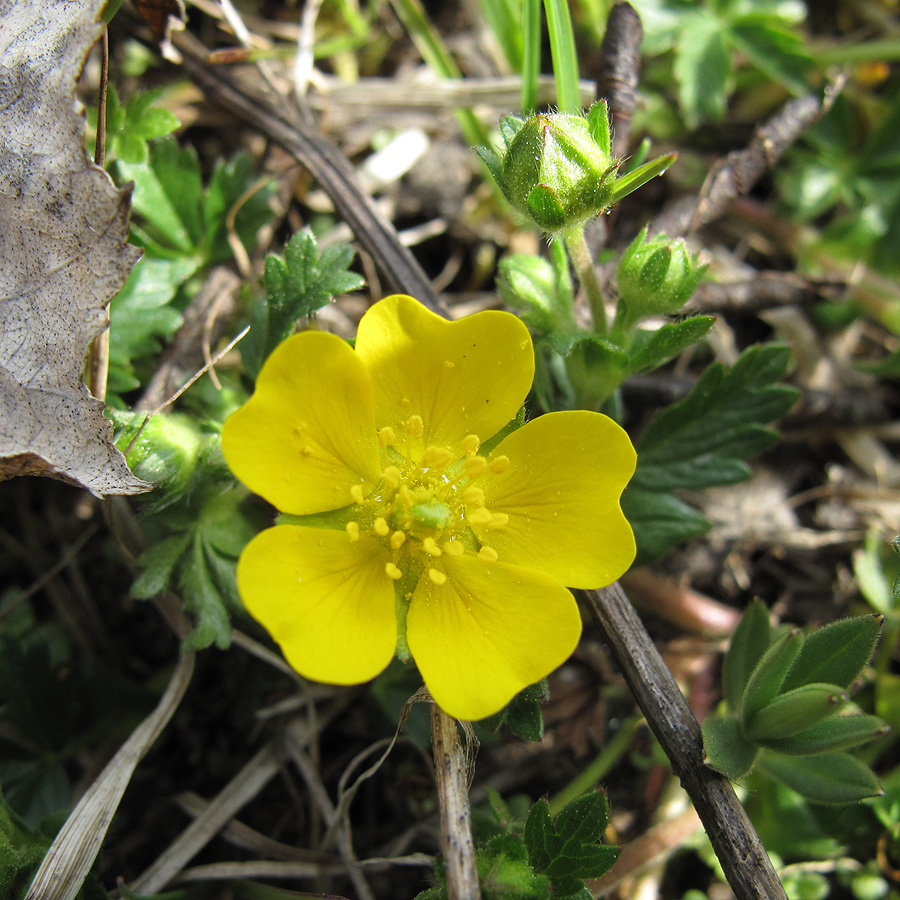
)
(473, 496)
(430, 546)
(480, 516)
(352, 530)
(435, 457)
(356, 492)
(499, 464)
(386, 436)
(397, 539)
(415, 425)
(470, 444)
(381, 527)
(488, 554)
(393, 572)
(454, 548)
(498, 521)
(475, 466)
(436, 576)
(391, 476)
(405, 495)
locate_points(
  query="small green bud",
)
(556, 169)
(656, 276)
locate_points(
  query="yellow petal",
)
(487, 632)
(561, 492)
(307, 435)
(324, 599)
(462, 378)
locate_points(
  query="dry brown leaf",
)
(63, 252)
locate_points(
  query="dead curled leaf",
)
(63, 252)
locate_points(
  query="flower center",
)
(423, 509)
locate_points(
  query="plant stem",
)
(587, 275)
(456, 820)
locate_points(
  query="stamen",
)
(397, 539)
(473, 496)
(499, 464)
(352, 531)
(393, 572)
(454, 548)
(498, 521)
(488, 554)
(391, 476)
(436, 576)
(356, 492)
(386, 436)
(415, 425)
(475, 467)
(470, 444)
(430, 546)
(381, 527)
(406, 496)
(480, 516)
(435, 457)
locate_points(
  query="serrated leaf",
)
(668, 341)
(566, 848)
(660, 521)
(773, 49)
(725, 748)
(825, 778)
(204, 601)
(748, 643)
(158, 564)
(835, 653)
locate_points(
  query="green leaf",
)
(835, 733)
(702, 69)
(726, 749)
(204, 601)
(835, 653)
(825, 778)
(168, 195)
(660, 521)
(141, 121)
(661, 345)
(566, 848)
(141, 316)
(748, 643)
(774, 49)
(637, 178)
(528, 284)
(157, 564)
(701, 440)
(296, 287)
(523, 714)
(767, 678)
(794, 710)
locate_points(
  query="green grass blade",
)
(531, 58)
(565, 59)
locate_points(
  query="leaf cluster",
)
(788, 711)
(547, 858)
(296, 285)
(200, 520)
(705, 38)
(702, 441)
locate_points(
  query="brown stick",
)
(619, 69)
(326, 162)
(453, 793)
(736, 843)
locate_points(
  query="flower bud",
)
(556, 168)
(657, 277)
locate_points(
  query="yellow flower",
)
(439, 541)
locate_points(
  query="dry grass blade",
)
(251, 779)
(72, 854)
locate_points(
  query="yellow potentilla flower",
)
(461, 553)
